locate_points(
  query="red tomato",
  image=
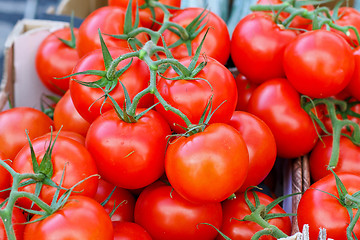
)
(85, 99)
(110, 20)
(67, 117)
(129, 155)
(319, 63)
(146, 17)
(18, 219)
(349, 157)
(68, 155)
(244, 88)
(55, 59)
(121, 197)
(354, 85)
(5, 177)
(257, 47)
(260, 144)
(208, 166)
(237, 208)
(277, 103)
(13, 124)
(72, 135)
(217, 41)
(159, 207)
(321, 210)
(80, 218)
(192, 96)
(129, 231)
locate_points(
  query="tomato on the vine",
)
(18, 220)
(129, 231)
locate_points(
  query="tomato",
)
(237, 208)
(217, 41)
(72, 135)
(192, 96)
(321, 210)
(13, 124)
(257, 47)
(86, 100)
(166, 215)
(5, 177)
(18, 221)
(146, 17)
(277, 103)
(354, 84)
(110, 20)
(121, 197)
(80, 218)
(319, 63)
(129, 231)
(260, 143)
(68, 155)
(244, 88)
(349, 157)
(298, 22)
(207, 166)
(67, 117)
(129, 155)
(56, 59)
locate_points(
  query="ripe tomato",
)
(319, 63)
(237, 208)
(85, 99)
(146, 17)
(121, 197)
(354, 84)
(257, 47)
(129, 231)
(277, 103)
(18, 220)
(260, 143)
(217, 41)
(159, 207)
(110, 20)
(13, 124)
(68, 155)
(55, 59)
(67, 117)
(80, 218)
(244, 88)
(321, 210)
(129, 155)
(349, 157)
(208, 166)
(5, 177)
(192, 96)
(72, 135)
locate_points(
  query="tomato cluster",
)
(154, 138)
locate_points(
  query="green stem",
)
(175, 63)
(183, 33)
(112, 68)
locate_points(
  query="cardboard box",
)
(80, 8)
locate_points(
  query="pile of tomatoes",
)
(154, 138)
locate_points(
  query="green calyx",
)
(72, 42)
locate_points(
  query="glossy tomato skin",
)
(349, 157)
(277, 103)
(129, 155)
(320, 210)
(18, 219)
(217, 41)
(208, 166)
(110, 20)
(5, 177)
(80, 218)
(192, 96)
(348, 16)
(121, 197)
(237, 208)
(319, 63)
(13, 124)
(67, 154)
(244, 88)
(135, 79)
(146, 18)
(69, 134)
(129, 231)
(257, 47)
(159, 207)
(354, 84)
(260, 143)
(67, 117)
(55, 59)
